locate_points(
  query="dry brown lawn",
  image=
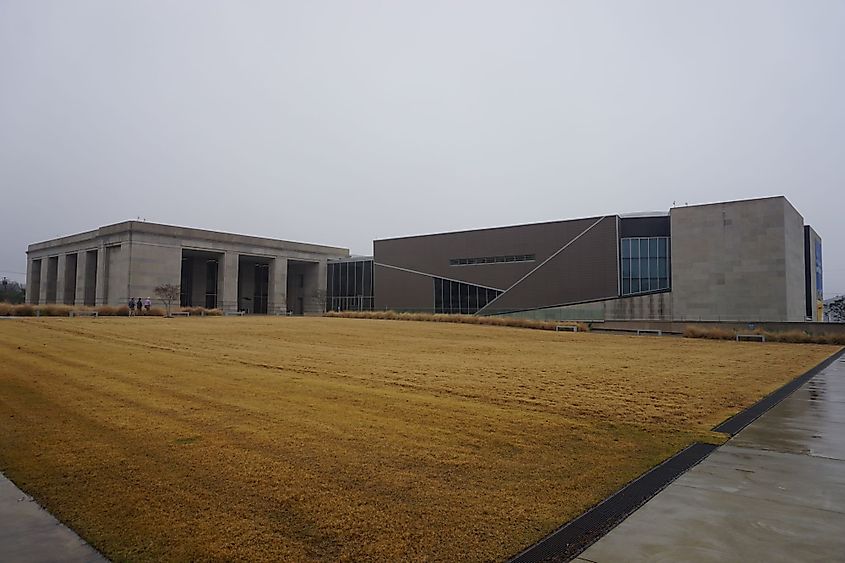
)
(341, 439)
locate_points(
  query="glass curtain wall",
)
(349, 285)
(451, 297)
(645, 265)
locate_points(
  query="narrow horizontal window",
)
(492, 259)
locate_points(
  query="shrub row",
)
(462, 319)
(53, 310)
(794, 336)
(198, 311)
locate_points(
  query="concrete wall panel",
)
(794, 263)
(731, 261)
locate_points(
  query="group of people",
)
(139, 307)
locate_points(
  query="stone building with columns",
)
(232, 272)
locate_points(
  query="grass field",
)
(340, 439)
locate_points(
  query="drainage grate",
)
(742, 419)
(572, 538)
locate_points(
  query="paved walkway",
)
(774, 492)
(29, 534)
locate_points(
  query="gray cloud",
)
(340, 122)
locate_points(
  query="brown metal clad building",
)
(739, 260)
(526, 266)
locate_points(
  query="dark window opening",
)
(186, 284)
(492, 260)
(261, 289)
(211, 284)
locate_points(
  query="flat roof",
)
(186, 232)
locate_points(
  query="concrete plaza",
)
(29, 534)
(774, 492)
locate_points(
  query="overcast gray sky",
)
(341, 122)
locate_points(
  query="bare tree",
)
(11, 291)
(168, 293)
(836, 309)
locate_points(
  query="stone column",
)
(102, 277)
(230, 282)
(278, 289)
(60, 278)
(42, 297)
(31, 298)
(81, 266)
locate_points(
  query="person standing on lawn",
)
(147, 305)
(140, 306)
(131, 306)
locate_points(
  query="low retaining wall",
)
(679, 326)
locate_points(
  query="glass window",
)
(644, 261)
(472, 304)
(368, 278)
(661, 246)
(661, 267)
(457, 297)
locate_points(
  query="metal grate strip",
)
(572, 538)
(742, 419)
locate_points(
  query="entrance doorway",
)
(254, 284)
(200, 279)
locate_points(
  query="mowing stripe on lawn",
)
(572, 538)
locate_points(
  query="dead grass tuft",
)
(350, 440)
(460, 319)
(58, 310)
(23, 310)
(200, 311)
(792, 336)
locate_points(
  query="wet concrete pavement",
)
(29, 534)
(774, 492)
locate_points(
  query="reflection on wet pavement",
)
(774, 492)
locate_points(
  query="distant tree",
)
(168, 293)
(836, 309)
(11, 291)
